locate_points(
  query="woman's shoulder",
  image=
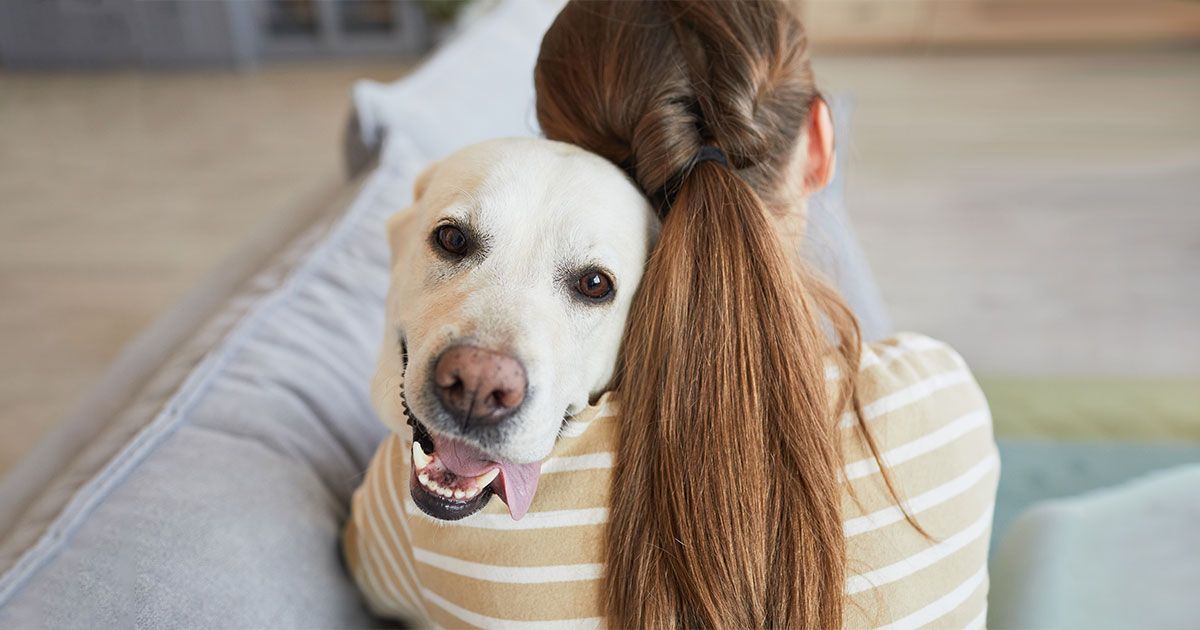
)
(911, 387)
(909, 368)
(930, 425)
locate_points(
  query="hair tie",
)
(666, 194)
(710, 153)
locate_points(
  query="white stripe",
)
(923, 501)
(591, 461)
(510, 575)
(532, 520)
(483, 621)
(926, 443)
(941, 605)
(922, 559)
(908, 395)
(390, 456)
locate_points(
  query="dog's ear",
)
(401, 224)
(422, 181)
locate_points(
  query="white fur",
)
(547, 208)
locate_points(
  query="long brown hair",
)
(726, 508)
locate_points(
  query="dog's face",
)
(512, 275)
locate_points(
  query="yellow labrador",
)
(512, 276)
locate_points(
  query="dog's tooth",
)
(420, 459)
(424, 479)
(487, 479)
(470, 493)
(445, 492)
(459, 494)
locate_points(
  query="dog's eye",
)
(594, 285)
(451, 239)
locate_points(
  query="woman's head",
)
(646, 85)
(726, 500)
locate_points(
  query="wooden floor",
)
(1040, 212)
(119, 191)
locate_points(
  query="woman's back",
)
(930, 422)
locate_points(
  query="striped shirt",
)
(925, 409)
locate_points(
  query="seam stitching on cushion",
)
(90, 494)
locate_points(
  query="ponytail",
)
(726, 493)
(726, 508)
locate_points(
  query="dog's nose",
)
(475, 384)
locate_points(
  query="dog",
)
(511, 281)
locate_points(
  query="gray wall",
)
(74, 34)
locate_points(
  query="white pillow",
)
(479, 86)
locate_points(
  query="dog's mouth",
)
(452, 480)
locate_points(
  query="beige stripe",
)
(477, 619)
(517, 602)
(543, 574)
(528, 548)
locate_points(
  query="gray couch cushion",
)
(225, 508)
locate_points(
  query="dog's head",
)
(512, 275)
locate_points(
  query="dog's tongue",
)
(520, 480)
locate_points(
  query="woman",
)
(761, 452)
(722, 391)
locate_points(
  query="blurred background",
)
(1024, 176)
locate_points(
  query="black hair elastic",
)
(666, 195)
(710, 154)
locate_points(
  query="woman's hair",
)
(726, 499)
